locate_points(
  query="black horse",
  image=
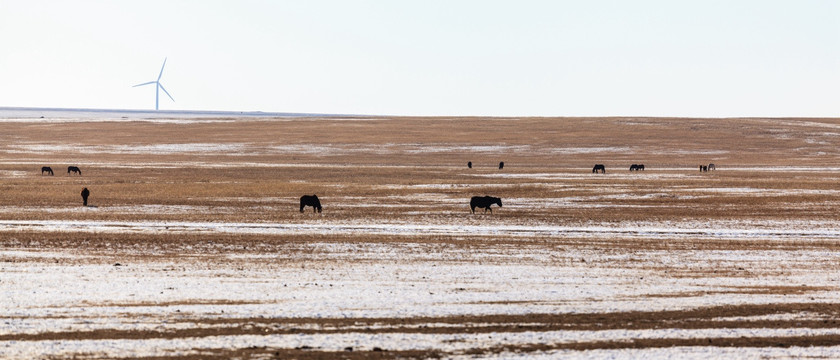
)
(85, 194)
(637, 167)
(599, 167)
(711, 167)
(484, 202)
(74, 169)
(47, 169)
(310, 200)
(704, 168)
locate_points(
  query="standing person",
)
(85, 194)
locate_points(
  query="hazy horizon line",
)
(260, 113)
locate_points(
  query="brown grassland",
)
(771, 174)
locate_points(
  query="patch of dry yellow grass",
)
(401, 169)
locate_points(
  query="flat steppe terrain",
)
(193, 246)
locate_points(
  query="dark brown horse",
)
(74, 169)
(85, 194)
(310, 200)
(47, 169)
(484, 202)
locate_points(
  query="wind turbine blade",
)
(161, 69)
(167, 92)
(150, 82)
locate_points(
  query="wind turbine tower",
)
(158, 86)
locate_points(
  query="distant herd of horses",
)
(70, 170)
(482, 202)
(600, 168)
(501, 164)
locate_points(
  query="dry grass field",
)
(193, 246)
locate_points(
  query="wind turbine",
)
(158, 86)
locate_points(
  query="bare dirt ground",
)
(193, 246)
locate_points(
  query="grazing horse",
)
(711, 166)
(47, 169)
(469, 164)
(85, 194)
(637, 167)
(310, 200)
(599, 167)
(74, 169)
(501, 165)
(704, 168)
(484, 202)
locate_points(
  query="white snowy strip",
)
(410, 229)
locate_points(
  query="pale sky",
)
(428, 57)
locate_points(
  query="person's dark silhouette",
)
(469, 164)
(85, 194)
(502, 165)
